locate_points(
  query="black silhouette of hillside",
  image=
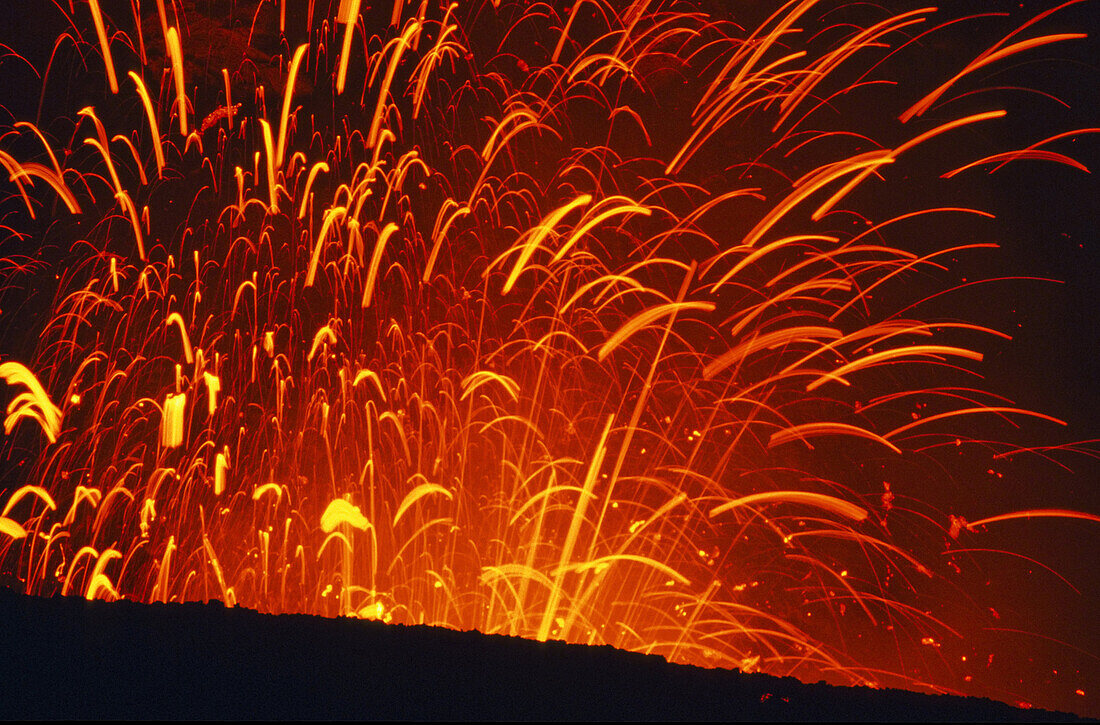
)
(70, 658)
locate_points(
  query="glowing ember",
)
(562, 322)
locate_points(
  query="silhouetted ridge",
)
(70, 658)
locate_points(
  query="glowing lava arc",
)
(560, 322)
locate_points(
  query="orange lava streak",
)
(1035, 513)
(288, 93)
(890, 355)
(990, 56)
(172, 39)
(104, 46)
(972, 411)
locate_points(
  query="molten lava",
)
(636, 326)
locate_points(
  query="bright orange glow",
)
(34, 403)
(614, 323)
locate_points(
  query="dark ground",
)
(70, 658)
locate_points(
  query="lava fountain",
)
(619, 325)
